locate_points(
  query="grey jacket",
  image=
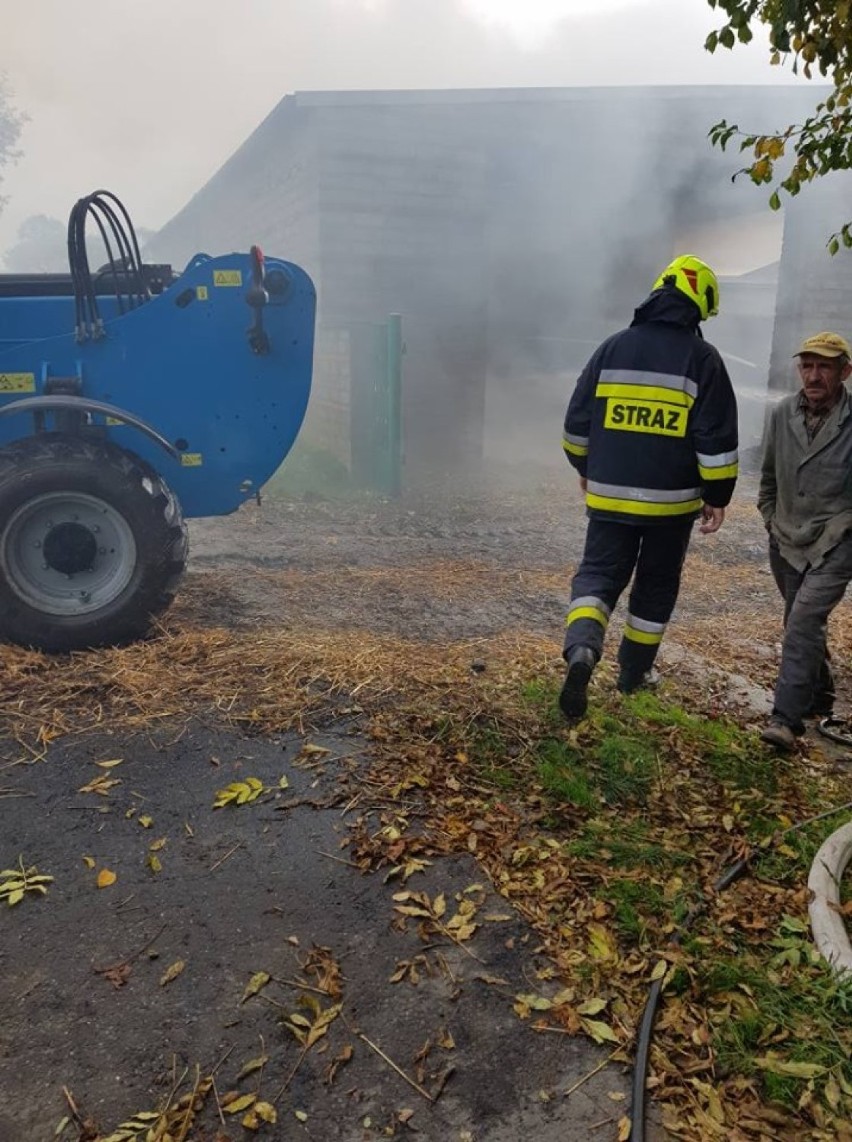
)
(805, 494)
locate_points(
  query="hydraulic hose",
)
(125, 262)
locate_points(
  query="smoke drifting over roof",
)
(154, 95)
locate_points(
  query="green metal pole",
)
(394, 360)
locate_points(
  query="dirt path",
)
(452, 568)
(261, 890)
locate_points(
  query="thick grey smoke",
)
(154, 95)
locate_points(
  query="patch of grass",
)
(538, 692)
(489, 752)
(562, 776)
(793, 1001)
(540, 695)
(616, 768)
(730, 754)
(784, 863)
(626, 768)
(629, 848)
(633, 901)
(501, 777)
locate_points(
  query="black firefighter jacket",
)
(652, 424)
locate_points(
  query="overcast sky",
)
(148, 97)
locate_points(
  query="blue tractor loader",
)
(132, 398)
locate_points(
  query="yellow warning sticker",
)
(227, 278)
(201, 293)
(191, 459)
(17, 382)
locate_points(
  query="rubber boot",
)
(573, 700)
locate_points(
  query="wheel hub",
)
(67, 553)
(70, 548)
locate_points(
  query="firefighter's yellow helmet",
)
(695, 279)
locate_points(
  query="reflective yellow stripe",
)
(730, 471)
(575, 449)
(642, 636)
(637, 507)
(644, 392)
(587, 613)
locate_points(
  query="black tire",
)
(92, 543)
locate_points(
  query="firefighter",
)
(652, 431)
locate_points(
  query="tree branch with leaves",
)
(11, 122)
(816, 35)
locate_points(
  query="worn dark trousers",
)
(805, 684)
(612, 553)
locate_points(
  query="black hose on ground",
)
(649, 1015)
(829, 728)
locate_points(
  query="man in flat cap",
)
(805, 499)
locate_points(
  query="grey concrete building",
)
(814, 288)
(512, 229)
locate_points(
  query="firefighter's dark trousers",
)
(612, 553)
(805, 684)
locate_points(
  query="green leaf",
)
(600, 1032)
(257, 982)
(253, 1065)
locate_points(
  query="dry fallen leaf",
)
(258, 980)
(239, 793)
(106, 877)
(100, 784)
(241, 1102)
(171, 973)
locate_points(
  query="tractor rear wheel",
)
(92, 543)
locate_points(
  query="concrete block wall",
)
(814, 288)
